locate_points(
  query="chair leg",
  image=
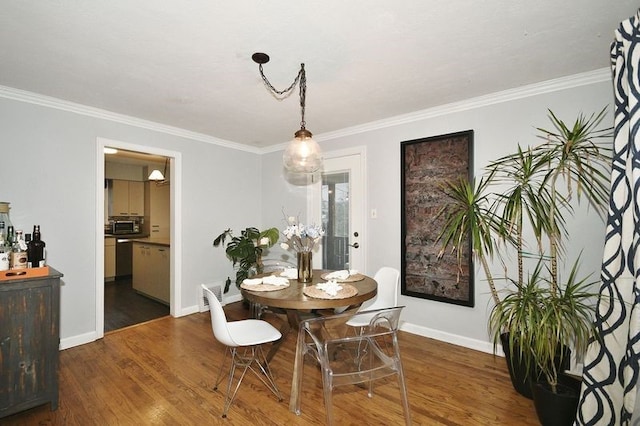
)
(219, 378)
(327, 386)
(236, 360)
(402, 385)
(245, 360)
(261, 361)
(298, 368)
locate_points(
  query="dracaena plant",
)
(533, 192)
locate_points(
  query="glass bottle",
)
(36, 249)
(27, 240)
(18, 258)
(4, 252)
(8, 242)
(4, 217)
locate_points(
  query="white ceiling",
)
(188, 63)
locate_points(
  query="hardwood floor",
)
(124, 307)
(161, 373)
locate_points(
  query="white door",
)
(337, 201)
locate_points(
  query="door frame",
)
(175, 215)
(314, 197)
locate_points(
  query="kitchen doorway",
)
(136, 216)
(130, 291)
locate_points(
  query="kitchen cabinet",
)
(29, 342)
(127, 198)
(151, 270)
(157, 205)
(109, 258)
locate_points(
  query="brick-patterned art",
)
(426, 164)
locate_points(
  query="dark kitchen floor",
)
(124, 307)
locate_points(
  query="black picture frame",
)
(426, 164)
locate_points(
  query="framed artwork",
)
(426, 164)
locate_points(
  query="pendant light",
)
(303, 154)
(157, 175)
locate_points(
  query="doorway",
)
(120, 292)
(338, 202)
(136, 211)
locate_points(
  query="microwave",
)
(124, 227)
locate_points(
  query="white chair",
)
(243, 340)
(373, 354)
(388, 280)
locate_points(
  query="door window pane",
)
(335, 220)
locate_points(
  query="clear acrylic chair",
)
(371, 355)
(388, 280)
(243, 340)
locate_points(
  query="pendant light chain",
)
(300, 78)
(302, 155)
(303, 94)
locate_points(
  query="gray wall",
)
(499, 124)
(48, 173)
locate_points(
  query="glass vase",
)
(305, 271)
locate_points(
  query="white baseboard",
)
(78, 340)
(454, 339)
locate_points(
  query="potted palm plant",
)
(520, 207)
(537, 325)
(246, 250)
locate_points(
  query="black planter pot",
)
(557, 409)
(522, 378)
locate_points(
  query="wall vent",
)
(216, 288)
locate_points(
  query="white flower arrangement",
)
(301, 237)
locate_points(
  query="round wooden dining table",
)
(295, 303)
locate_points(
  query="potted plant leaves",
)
(516, 215)
(246, 250)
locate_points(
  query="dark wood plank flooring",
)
(124, 307)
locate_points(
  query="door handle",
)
(354, 245)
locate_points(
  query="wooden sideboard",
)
(29, 342)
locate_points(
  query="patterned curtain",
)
(611, 364)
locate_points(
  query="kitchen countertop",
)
(155, 241)
(125, 236)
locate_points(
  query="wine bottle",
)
(27, 240)
(36, 249)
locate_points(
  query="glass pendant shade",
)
(303, 154)
(156, 175)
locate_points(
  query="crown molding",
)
(51, 102)
(562, 83)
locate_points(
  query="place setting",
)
(267, 283)
(336, 285)
(343, 276)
